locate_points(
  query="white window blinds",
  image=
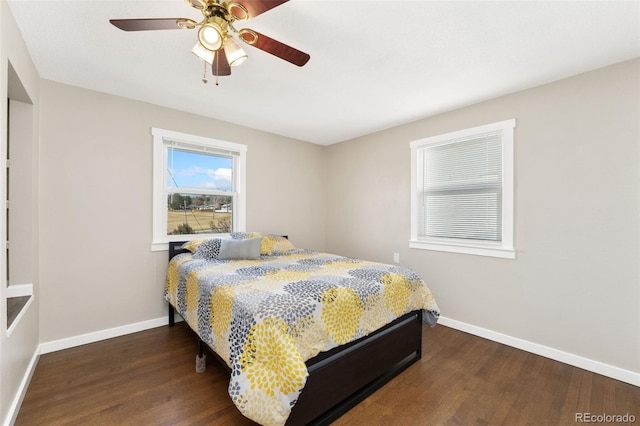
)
(461, 189)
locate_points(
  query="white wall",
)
(18, 350)
(575, 284)
(22, 214)
(97, 269)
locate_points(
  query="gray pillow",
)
(240, 249)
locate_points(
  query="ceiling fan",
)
(216, 45)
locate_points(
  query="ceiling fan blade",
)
(246, 9)
(220, 64)
(274, 47)
(153, 24)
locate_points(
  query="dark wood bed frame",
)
(341, 378)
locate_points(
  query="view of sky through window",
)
(188, 169)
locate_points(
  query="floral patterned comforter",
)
(266, 317)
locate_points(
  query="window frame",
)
(501, 249)
(162, 141)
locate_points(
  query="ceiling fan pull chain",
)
(205, 80)
(217, 73)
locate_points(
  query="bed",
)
(304, 335)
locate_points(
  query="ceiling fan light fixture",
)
(235, 54)
(203, 53)
(216, 44)
(211, 36)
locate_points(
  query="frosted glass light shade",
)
(205, 54)
(235, 54)
(210, 35)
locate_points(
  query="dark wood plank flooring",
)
(149, 378)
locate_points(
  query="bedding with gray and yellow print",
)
(265, 317)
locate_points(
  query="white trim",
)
(96, 336)
(508, 186)
(598, 367)
(159, 245)
(463, 133)
(200, 140)
(14, 409)
(19, 290)
(497, 251)
(158, 173)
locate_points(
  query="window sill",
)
(497, 251)
(159, 246)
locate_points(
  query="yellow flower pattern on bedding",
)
(266, 317)
(270, 360)
(377, 314)
(341, 313)
(310, 336)
(396, 292)
(220, 316)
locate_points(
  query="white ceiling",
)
(374, 64)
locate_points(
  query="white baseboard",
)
(617, 373)
(12, 414)
(96, 336)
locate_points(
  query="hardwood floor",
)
(149, 378)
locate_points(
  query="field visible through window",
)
(197, 221)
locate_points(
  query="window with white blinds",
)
(462, 191)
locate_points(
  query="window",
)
(462, 191)
(198, 187)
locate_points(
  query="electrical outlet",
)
(396, 257)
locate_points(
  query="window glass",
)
(188, 169)
(198, 187)
(199, 214)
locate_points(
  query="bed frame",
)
(341, 378)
